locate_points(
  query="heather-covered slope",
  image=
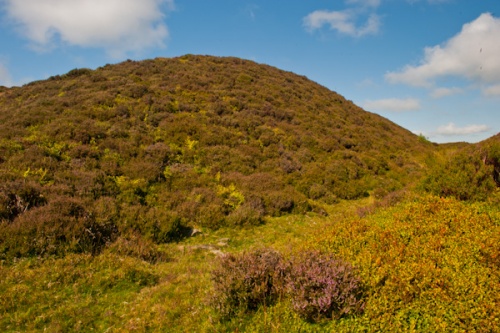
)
(100, 171)
(154, 146)
(465, 172)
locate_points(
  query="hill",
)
(315, 215)
(158, 146)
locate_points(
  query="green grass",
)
(114, 293)
(430, 265)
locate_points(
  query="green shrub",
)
(163, 226)
(77, 72)
(285, 201)
(157, 224)
(136, 246)
(493, 159)
(463, 176)
(249, 213)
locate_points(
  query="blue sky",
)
(431, 66)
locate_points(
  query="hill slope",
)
(154, 146)
(114, 163)
(465, 171)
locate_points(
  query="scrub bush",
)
(63, 225)
(244, 282)
(135, 246)
(319, 285)
(16, 197)
(322, 286)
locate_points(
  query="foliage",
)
(135, 246)
(319, 285)
(466, 174)
(428, 263)
(322, 286)
(17, 197)
(57, 228)
(103, 172)
(246, 281)
(212, 141)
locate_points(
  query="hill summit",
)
(155, 146)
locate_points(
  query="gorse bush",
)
(319, 285)
(430, 264)
(322, 286)
(462, 176)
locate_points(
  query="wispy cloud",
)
(118, 26)
(392, 104)
(251, 10)
(452, 129)
(444, 92)
(359, 19)
(493, 90)
(343, 22)
(473, 54)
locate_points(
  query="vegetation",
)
(318, 285)
(322, 286)
(247, 281)
(160, 146)
(209, 194)
(471, 173)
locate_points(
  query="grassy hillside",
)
(315, 215)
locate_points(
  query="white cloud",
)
(452, 129)
(118, 26)
(393, 104)
(473, 54)
(443, 92)
(492, 90)
(342, 21)
(347, 21)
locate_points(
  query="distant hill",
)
(155, 146)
